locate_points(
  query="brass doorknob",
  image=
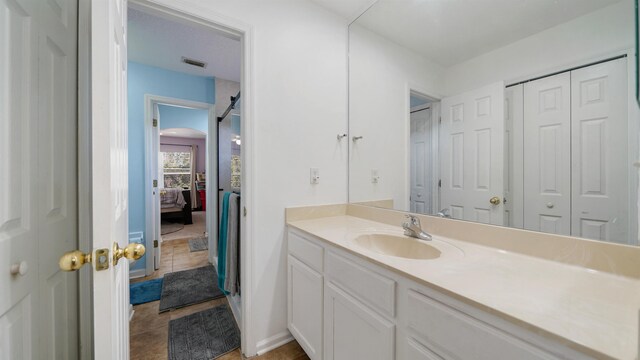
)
(495, 200)
(132, 251)
(73, 260)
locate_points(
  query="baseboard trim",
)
(273, 342)
(137, 273)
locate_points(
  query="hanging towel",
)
(222, 241)
(231, 271)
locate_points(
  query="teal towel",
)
(222, 241)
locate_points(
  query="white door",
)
(353, 331)
(514, 157)
(471, 155)
(547, 154)
(156, 161)
(38, 175)
(109, 176)
(599, 147)
(420, 161)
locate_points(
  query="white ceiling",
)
(183, 133)
(162, 43)
(449, 32)
(349, 9)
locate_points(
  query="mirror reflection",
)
(512, 113)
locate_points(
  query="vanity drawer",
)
(365, 284)
(455, 335)
(306, 251)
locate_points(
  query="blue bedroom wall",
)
(179, 117)
(142, 80)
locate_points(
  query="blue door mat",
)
(145, 291)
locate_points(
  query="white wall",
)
(300, 94)
(380, 76)
(592, 36)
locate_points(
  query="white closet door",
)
(514, 157)
(472, 153)
(38, 175)
(420, 162)
(547, 129)
(600, 186)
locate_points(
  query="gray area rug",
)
(198, 244)
(188, 287)
(168, 228)
(204, 335)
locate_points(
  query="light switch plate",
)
(314, 176)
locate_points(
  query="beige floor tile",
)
(150, 345)
(196, 229)
(233, 355)
(146, 317)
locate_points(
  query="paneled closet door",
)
(599, 147)
(547, 147)
(472, 153)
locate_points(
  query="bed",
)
(176, 204)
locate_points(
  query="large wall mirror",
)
(512, 113)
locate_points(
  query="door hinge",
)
(155, 122)
(155, 183)
(155, 243)
(440, 120)
(439, 183)
(244, 211)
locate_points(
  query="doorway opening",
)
(181, 75)
(424, 115)
(182, 163)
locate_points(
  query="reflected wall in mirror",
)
(513, 113)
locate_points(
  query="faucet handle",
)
(413, 219)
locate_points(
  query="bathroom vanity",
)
(353, 294)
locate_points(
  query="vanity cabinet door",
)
(417, 351)
(305, 307)
(353, 331)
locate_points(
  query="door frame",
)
(152, 222)
(232, 28)
(413, 89)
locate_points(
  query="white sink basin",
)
(399, 246)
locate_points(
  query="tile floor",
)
(196, 229)
(149, 330)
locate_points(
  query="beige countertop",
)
(591, 311)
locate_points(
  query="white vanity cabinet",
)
(354, 331)
(305, 294)
(342, 307)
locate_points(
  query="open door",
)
(110, 179)
(471, 155)
(420, 164)
(155, 162)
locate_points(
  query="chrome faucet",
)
(413, 229)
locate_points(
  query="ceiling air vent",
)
(200, 64)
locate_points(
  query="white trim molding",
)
(150, 101)
(273, 342)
